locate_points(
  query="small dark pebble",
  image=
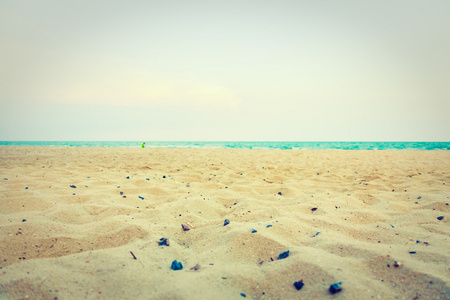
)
(176, 265)
(335, 288)
(417, 242)
(279, 193)
(412, 252)
(164, 176)
(24, 220)
(185, 227)
(128, 177)
(268, 226)
(392, 226)
(420, 197)
(254, 231)
(314, 208)
(284, 254)
(147, 179)
(317, 233)
(142, 198)
(163, 242)
(298, 285)
(226, 222)
(26, 188)
(242, 294)
(440, 218)
(121, 193)
(72, 186)
(5, 178)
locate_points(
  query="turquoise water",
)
(243, 145)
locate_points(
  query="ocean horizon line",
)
(344, 145)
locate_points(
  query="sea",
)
(240, 145)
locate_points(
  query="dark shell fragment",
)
(226, 222)
(176, 265)
(163, 242)
(284, 254)
(298, 285)
(335, 288)
(185, 227)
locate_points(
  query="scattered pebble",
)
(254, 231)
(24, 220)
(26, 188)
(188, 185)
(298, 285)
(142, 198)
(185, 227)
(412, 252)
(314, 208)
(392, 226)
(5, 178)
(164, 176)
(196, 267)
(72, 186)
(284, 254)
(226, 222)
(242, 294)
(440, 218)
(397, 264)
(128, 177)
(176, 265)
(163, 242)
(335, 288)
(268, 226)
(279, 193)
(420, 197)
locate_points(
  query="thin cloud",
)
(142, 93)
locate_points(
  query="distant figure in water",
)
(143, 145)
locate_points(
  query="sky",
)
(176, 70)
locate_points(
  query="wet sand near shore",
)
(90, 223)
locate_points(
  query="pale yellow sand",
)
(373, 208)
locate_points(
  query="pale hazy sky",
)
(225, 70)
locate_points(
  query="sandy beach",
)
(87, 223)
